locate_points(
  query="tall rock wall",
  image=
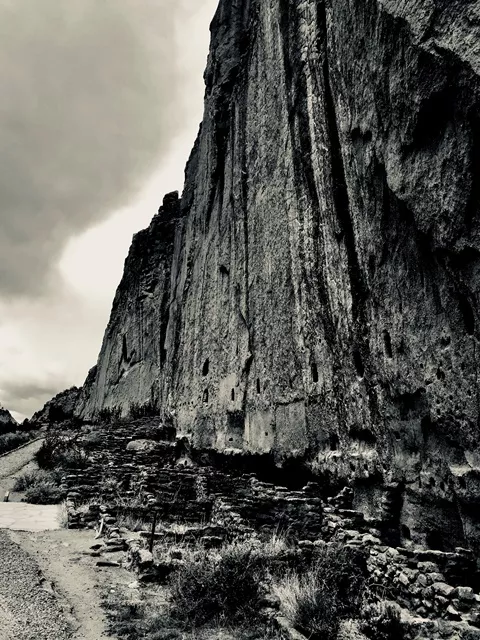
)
(323, 284)
(132, 357)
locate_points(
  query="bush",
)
(381, 621)
(225, 586)
(40, 486)
(43, 492)
(148, 410)
(14, 439)
(44, 456)
(109, 415)
(29, 479)
(330, 591)
(63, 451)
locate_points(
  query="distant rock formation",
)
(7, 421)
(315, 294)
(59, 408)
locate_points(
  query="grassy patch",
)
(135, 621)
(215, 595)
(133, 523)
(39, 486)
(220, 595)
(223, 586)
(331, 590)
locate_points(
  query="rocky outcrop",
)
(318, 293)
(59, 408)
(7, 421)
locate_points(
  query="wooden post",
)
(152, 535)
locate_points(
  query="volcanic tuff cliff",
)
(316, 292)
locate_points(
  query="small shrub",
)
(148, 410)
(43, 492)
(61, 450)
(76, 458)
(381, 621)
(330, 591)
(222, 587)
(14, 439)
(28, 479)
(109, 415)
(40, 486)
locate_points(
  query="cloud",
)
(101, 100)
(28, 391)
(89, 105)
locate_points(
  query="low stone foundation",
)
(213, 507)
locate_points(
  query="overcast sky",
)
(101, 102)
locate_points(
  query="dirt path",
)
(65, 560)
(50, 586)
(28, 610)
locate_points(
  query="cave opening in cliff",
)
(206, 367)
(388, 344)
(434, 540)
(406, 535)
(359, 366)
(259, 388)
(333, 441)
(362, 435)
(233, 395)
(314, 372)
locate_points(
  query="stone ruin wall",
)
(217, 507)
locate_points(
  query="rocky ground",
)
(29, 607)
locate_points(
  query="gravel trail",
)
(64, 558)
(29, 608)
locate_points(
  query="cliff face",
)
(322, 288)
(128, 371)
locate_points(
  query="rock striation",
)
(315, 292)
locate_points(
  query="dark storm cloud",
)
(87, 106)
(27, 397)
(28, 391)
